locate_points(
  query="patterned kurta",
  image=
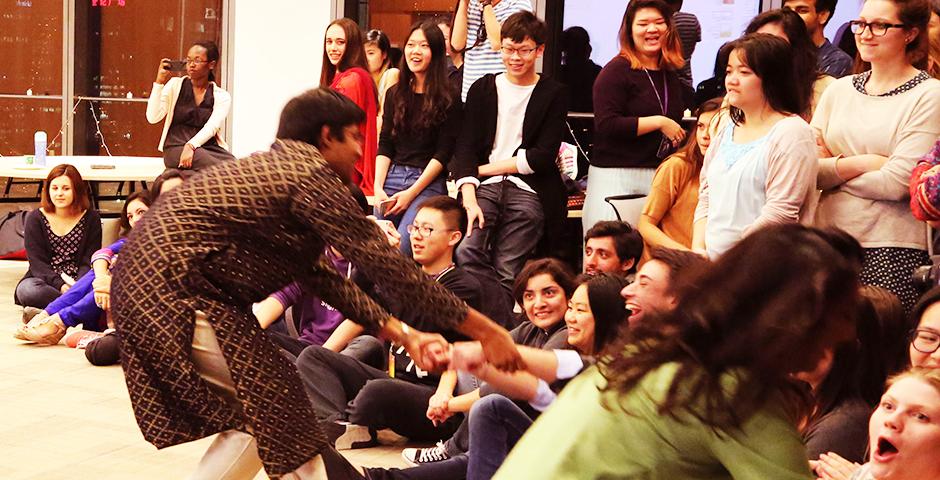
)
(227, 238)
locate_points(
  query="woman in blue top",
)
(759, 170)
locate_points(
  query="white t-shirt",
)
(512, 103)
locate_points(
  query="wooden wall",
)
(395, 17)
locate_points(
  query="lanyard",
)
(663, 105)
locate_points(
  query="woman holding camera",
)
(193, 109)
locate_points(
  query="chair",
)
(628, 208)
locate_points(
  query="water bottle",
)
(40, 141)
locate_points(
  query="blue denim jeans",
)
(399, 178)
(496, 424)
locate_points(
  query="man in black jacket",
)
(505, 164)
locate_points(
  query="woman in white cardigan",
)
(193, 109)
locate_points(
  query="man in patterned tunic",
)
(196, 361)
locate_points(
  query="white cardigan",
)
(162, 102)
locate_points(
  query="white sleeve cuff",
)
(544, 396)
(569, 364)
(475, 181)
(522, 164)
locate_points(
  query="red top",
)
(356, 84)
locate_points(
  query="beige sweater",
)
(873, 207)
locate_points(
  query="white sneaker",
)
(419, 456)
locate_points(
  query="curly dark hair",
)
(750, 321)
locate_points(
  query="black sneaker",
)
(349, 436)
(419, 456)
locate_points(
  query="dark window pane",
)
(21, 118)
(31, 47)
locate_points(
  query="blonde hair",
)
(930, 376)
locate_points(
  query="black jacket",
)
(542, 132)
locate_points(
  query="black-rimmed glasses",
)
(878, 29)
(924, 340)
(424, 230)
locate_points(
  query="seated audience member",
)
(543, 289)
(848, 380)
(478, 36)
(60, 238)
(505, 166)
(925, 186)
(759, 169)
(612, 247)
(816, 15)
(81, 304)
(865, 166)
(925, 338)
(657, 285)
(786, 24)
(193, 109)
(353, 398)
(106, 350)
(670, 208)
(419, 129)
(638, 104)
(903, 433)
(704, 392)
(595, 313)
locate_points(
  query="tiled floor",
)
(62, 418)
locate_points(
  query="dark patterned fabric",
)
(222, 240)
(861, 79)
(65, 247)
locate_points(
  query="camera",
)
(927, 276)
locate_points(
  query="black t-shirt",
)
(414, 148)
(467, 288)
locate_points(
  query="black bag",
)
(12, 230)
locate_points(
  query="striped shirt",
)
(690, 33)
(482, 59)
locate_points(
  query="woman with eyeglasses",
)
(346, 70)
(419, 129)
(638, 105)
(193, 109)
(871, 129)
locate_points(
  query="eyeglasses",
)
(523, 52)
(195, 61)
(424, 230)
(878, 29)
(925, 341)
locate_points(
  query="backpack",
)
(12, 229)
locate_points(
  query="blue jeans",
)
(496, 424)
(399, 178)
(77, 305)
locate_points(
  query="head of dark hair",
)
(556, 269)
(691, 152)
(524, 24)
(355, 55)
(141, 195)
(682, 265)
(379, 39)
(859, 369)
(438, 96)
(767, 56)
(671, 56)
(576, 45)
(212, 54)
(804, 51)
(926, 300)
(609, 310)
(305, 115)
(627, 241)
(157, 184)
(454, 214)
(826, 6)
(81, 200)
(760, 321)
(675, 5)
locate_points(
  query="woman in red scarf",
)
(346, 71)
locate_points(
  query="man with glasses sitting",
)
(505, 167)
(355, 399)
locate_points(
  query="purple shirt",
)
(317, 318)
